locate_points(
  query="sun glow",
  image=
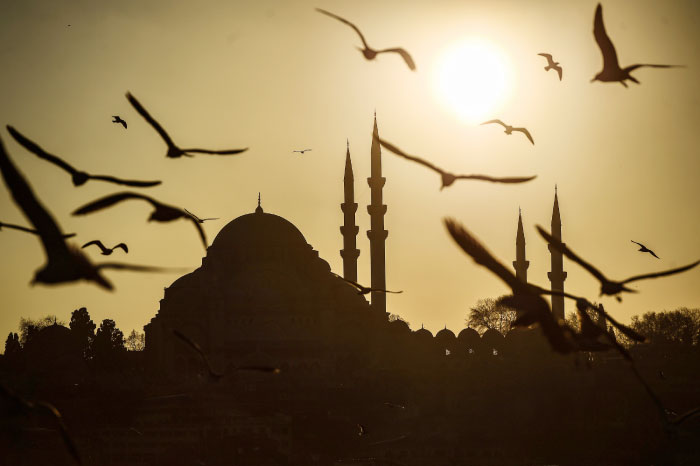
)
(473, 79)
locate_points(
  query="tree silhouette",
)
(681, 326)
(108, 345)
(83, 329)
(29, 327)
(136, 341)
(12, 345)
(489, 314)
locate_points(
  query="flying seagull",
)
(363, 289)
(161, 213)
(611, 71)
(302, 151)
(447, 177)
(118, 119)
(361, 430)
(551, 64)
(79, 177)
(106, 251)
(197, 219)
(643, 248)
(173, 150)
(368, 51)
(64, 262)
(28, 230)
(509, 129)
(608, 287)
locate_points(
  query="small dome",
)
(399, 326)
(492, 334)
(445, 335)
(468, 334)
(423, 333)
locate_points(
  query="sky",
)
(277, 76)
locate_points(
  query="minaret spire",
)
(557, 275)
(349, 230)
(377, 234)
(520, 264)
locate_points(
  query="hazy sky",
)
(277, 76)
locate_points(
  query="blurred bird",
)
(551, 64)
(64, 263)
(28, 230)
(79, 177)
(361, 430)
(161, 213)
(608, 287)
(302, 151)
(509, 129)
(106, 251)
(117, 119)
(173, 150)
(367, 51)
(394, 405)
(643, 248)
(611, 71)
(448, 178)
(197, 219)
(363, 289)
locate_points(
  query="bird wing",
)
(343, 20)
(653, 253)
(138, 268)
(123, 246)
(200, 230)
(195, 346)
(133, 183)
(495, 121)
(526, 133)
(639, 244)
(20, 228)
(354, 284)
(65, 435)
(517, 179)
(560, 71)
(392, 148)
(570, 254)
(604, 43)
(404, 54)
(96, 242)
(210, 218)
(147, 116)
(123, 123)
(649, 65)
(661, 274)
(216, 152)
(110, 200)
(687, 415)
(32, 147)
(548, 56)
(192, 215)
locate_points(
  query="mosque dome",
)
(423, 333)
(468, 334)
(445, 335)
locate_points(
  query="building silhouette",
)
(377, 234)
(349, 230)
(520, 264)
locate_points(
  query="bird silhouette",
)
(199, 220)
(361, 430)
(448, 178)
(28, 230)
(643, 248)
(161, 213)
(551, 64)
(611, 71)
(509, 129)
(368, 51)
(608, 287)
(118, 119)
(173, 150)
(302, 151)
(106, 251)
(64, 262)
(79, 177)
(363, 289)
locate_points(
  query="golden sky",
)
(277, 76)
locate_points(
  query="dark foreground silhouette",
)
(28, 230)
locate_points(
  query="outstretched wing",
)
(133, 183)
(495, 121)
(123, 246)
(392, 148)
(200, 230)
(139, 268)
(195, 346)
(343, 20)
(192, 215)
(216, 152)
(649, 65)
(570, 254)
(661, 274)
(96, 242)
(151, 121)
(32, 147)
(526, 133)
(110, 200)
(516, 179)
(604, 43)
(560, 71)
(404, 54)
(548, 56)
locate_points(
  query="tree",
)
(108, 345)
(393, 317)
(681, 326)
(135, 341)
(29, 327)
(490, 314)
(12, 345)
(83, 329)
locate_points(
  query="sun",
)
(473, 78)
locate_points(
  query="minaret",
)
(349, 230)
(377, 234)
(520, 264)
(557, 275)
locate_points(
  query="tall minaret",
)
(349, 230)
(377, 234)
(520, 264)
(557, 275)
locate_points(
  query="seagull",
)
(118, 119)
(106, 251)
(79, 177)
(643, 248)
(608, 287)
(161, 213)
(64, 262)
(28, 230)
(367, 51)
(449, 178)
(509, 129)
(174, 151)
(363, 289)
(302, 151)
(361, 430)
(611, 71)
(551, 64)
(199, 220)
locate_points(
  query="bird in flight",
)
(197, 219)
(161, 213)
(611, 71)
(302, 151)
(118, 119)
(106, 251)
(608, 287)
(173, 150)
(79, 177)
(509, 129)
(447, 177)
(64, 262)
(28, 230)
(363, 289)
(368, 51)
(643, 248)
(361, 430)
(551, 64)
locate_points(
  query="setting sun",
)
(473, 79)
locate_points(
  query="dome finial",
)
(258, 209)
